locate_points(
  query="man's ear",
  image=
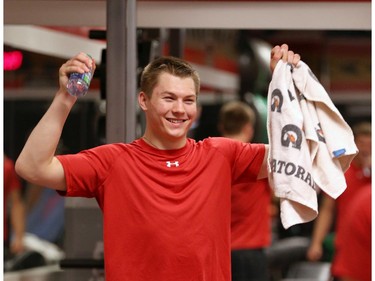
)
(142, 100)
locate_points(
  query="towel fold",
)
(310, 144)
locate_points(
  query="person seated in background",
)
(337, 211)
(251, 203)
(45, 214)
(14, 211)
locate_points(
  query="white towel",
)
(311, 145)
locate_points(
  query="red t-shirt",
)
(353, 259)
(251, 218)
(355, 180)
(166, 212)
(11, 182)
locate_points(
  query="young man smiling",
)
(165, 198)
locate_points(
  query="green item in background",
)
(260, 103)
(329, 247)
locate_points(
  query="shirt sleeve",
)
(86, 171)
(248, 162)
(245, 158)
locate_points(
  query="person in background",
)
(353, 258)
(251, 203)
(165, 198)
(14, 209)
(337, 211)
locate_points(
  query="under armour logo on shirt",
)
(170, 164)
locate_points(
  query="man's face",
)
(172, 107)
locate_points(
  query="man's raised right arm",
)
(37, 162)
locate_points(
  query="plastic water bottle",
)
(79, 83)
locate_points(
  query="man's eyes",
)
(190, 101)
(168, 98)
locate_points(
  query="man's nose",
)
(178, 106)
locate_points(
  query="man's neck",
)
(164, 145)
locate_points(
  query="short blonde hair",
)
(167, 64)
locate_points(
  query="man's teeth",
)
(176, 121)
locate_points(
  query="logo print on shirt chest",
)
(170, 164)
